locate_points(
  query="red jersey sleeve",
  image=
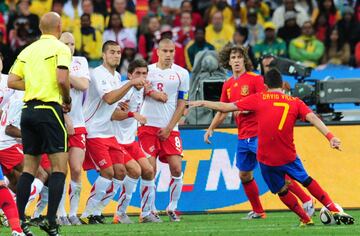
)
(259, 84)
(303, 110)
(224, 96)
(249, 103)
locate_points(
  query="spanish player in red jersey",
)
(242, 84)
(276, 150)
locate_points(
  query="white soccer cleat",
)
(151, 218)
(122, 218)
(173, 216)
(15, 233)
(252, 215)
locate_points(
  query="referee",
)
(41, 69)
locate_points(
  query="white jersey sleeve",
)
(79, 68)
(14, 113)
(5, 91)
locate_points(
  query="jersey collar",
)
(47, 36)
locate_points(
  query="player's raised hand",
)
(208, 135)
(138, 81)
(124, 106)
(160, 96)
(142, 119)
(163, 133)
(335, 143)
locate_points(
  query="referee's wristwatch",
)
(67, 100)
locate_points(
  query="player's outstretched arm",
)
(217, 106)
(79, 83)
(115, 95)
(69, 125)
(16, 82)
(180, 108)
(119, 114)
(314, 120)
(13, 131)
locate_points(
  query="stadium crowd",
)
(310, 31)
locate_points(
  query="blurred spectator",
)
(97, 20)
(4, 8)
(223, 7)
(186, 31)
(40, 7)
(306, 48)
(88, 41)
(308, 5)
(218, 33)
(271, 43)
(116, 32)
(195, 46)
(147, 40)
(262, 9)
(3, 29)
(179, 59)
(349, 27)
(73, 9)
(291, 29)
(128, 55)
(326, 7)
(337, 51)
(357, 54)
(321, 27)
(128, 18)
(240, 38)
(24, 12)
(256, 31)
(155, 9)
(66, 23)
(100, 7)
(141, 9)
(171, 7)
(5, 50)
(289, 5)
(186, 5)
(21, 35)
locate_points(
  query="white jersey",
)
(79, 68)
(97, 112)
(5, 92)
(171, 81)
(125, 130)
(11, 116)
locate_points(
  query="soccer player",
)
(103, 150)
(5, 91)
(125, 124)
(276, 150)
(79, 80)
(8, 205)
(243, 83)
(160, 136)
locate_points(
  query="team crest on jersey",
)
(228, 92)
(245, 90)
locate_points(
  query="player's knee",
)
(246, 177)
(307, 182)
(283, 192)
(107, 173)
(176, 171)
(75, 172)
(147, 173)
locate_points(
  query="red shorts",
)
(78, 139)
(45, 162)
(102, 153)
(134, 150)
(153, 146)
(11, 157)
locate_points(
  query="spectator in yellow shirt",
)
(40, 7)
(262, 10)
(218, 33)
(66, 22)
(97, 20)
(224, 8)
(129, 19)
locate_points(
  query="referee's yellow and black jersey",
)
(37, 65)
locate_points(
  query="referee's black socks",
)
(23, 190)
(56, 188)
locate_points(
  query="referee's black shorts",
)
(43, 128)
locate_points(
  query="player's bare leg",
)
(175, 186)
(76, 159)
(130, 181)
(252, 193)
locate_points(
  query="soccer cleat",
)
(51, 230)
(252, 215)
(26, 229)
(123, 218)
(36, 221)
(151, 218)
(15, 233)
(309, 207)
(174, 217)
(74, 220)
(99, 219)
(63, 220)
(306, 224)
(90, 220)
(343, 217)
(3, 219)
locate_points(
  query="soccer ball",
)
(326, 217)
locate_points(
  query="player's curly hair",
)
(224, 56)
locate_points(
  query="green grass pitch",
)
(276, 223)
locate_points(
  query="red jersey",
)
(236, 89)
(276, 114)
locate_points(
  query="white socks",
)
(74, 197)
(147, 194)
(175, 192)
(129, 185)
